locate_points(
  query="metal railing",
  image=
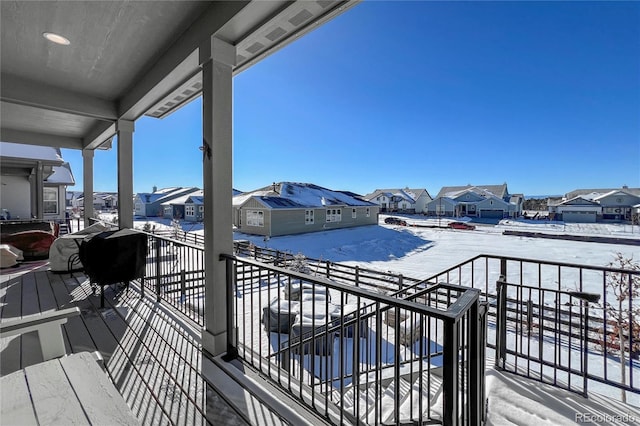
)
(175, 274)
(549, 331)
(545, 330)
(357, 356)
(354, 275)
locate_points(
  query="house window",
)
(334, 215)
(255, 218)
(308, 217)
(189, 210)
(368, 212)
(50, 200)
(201, 209)
(353, 213)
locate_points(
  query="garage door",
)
(579, 217)
(494, 214)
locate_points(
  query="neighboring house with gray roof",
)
(34, 181)
(578, 209)
(294, 208)
(175, 208)
(600, 191)
(400, 200)
(149, 204)
(499, 191)
(483, 201)
(597, 205)
(194, 208)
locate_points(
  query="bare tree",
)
(621, 330)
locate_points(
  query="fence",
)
(539, 320)
(354, 275)
(353, 355)
(175, 274)
(552, 327)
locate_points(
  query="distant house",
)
(400, 200)
(596, 205)
(177, 208)
(189, 207)
(486, 202)
(194, 208)
(34, 181)
(294, 208)
(149, 204)
(102, 201)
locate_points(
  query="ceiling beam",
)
(20, 91)
(33, 138)
(101, 133)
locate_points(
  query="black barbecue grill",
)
(113, 257)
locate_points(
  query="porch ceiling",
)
(125, 59)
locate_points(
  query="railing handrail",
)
(357, 291)
(430, 279)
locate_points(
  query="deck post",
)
(450, 373)
(217, 58)
(125, 173)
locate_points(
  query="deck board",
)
(152, 359)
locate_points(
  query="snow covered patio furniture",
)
(295, 290)
(64, 252)
(279, 315)
(306, 326)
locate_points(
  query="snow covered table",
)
(68, 390)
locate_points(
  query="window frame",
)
(55, 201)
(255, 218)
(309, 217)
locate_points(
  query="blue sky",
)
(544, 96)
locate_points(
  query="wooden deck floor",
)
(151, 353)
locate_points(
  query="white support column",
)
(39, 191)
(217, 58)
(124, 129)
(87, 184)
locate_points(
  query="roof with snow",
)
(182, 199)
(30, 152)
(582, 201)
(62, 175)
(499, 191)
(407, 194)
(614, 192)
(195, 199)
(299, 195)
(165, 194)
(601, 191)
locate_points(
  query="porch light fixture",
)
(56, 38)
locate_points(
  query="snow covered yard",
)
(423, 252)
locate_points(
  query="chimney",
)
(155, 188)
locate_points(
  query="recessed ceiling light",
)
(56, 38)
